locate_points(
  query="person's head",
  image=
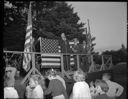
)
(63, 36)
(8, 73)
(91, 84)
(79, 75)
(106, 76)
(17, 75)
(51, 74)
(76, 41)
(101, 86)
(34, 80)
(59, 74)
(84, 42)
(9, 83)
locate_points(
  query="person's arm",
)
(75, 93)
(49, 89)
(119, 89)
(65, 94)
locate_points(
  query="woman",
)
(81, 88)
(55, 87)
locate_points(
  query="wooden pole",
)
(78, 63)
(102, 66)
(33, 62)
(92, 67)
(62, 65)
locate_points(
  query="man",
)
(115, 89)
(65, 48)
(76, 50)
(85, 59)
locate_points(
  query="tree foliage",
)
(49, 19)
(58, 19)
(117, 56)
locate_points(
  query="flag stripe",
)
(50, 59)
(28, 36)
(29, 27)
(50, 55)
(71, 63)
(50, 64)
(72, 59)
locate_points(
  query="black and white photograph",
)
(65, 50)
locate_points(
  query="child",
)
(81, 88)
(102, 88)
(9, 90)
(55, 88)
(115, 89)
(92, 89)
(34, 90)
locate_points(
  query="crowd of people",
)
(37, 87)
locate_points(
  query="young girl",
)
(55, 87)
(81, 88)
(34, 90)
(92, 89)
(102, 88)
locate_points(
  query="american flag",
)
(28, 42)
(51, 46)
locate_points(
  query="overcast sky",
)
(108, 22)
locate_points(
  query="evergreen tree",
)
(50, 19)
(59, 19)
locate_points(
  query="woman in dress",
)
(81, 88)
(55, 87)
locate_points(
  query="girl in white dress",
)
(81, 88)
(34, 90)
